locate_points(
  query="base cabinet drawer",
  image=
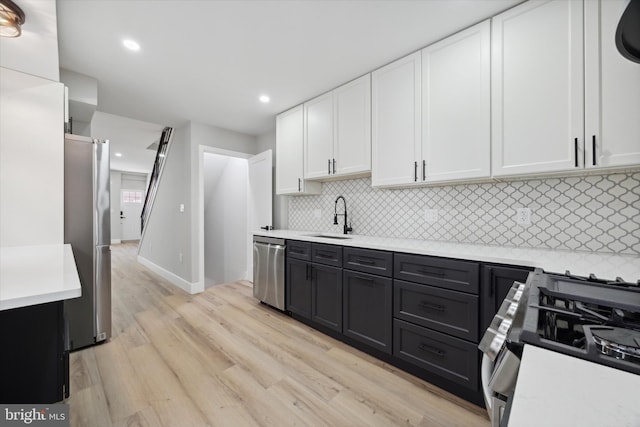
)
(326, 254)
(370, 261)
(445, 273)
(449, 357)
(367, 309)
(299, 250)
(454, 313)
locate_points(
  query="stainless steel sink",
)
(329, 236)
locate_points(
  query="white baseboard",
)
(192, 288)
(116, 241)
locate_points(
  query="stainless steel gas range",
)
(585, 317)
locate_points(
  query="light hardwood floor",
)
(221, 358)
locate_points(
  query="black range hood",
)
(628, 32)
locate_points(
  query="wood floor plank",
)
(221, 358)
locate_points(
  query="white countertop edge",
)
(555, 389)
(65, 283)
(606, 266)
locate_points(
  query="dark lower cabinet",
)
(367, 309)
(314, 291)
(444, 355)
(326, 300)
(496, 282)
(423, 314)
(452, 312)
(34, 360)
(298, 281)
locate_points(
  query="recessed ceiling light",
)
(264, 99)
(131, 45)
(118, 154)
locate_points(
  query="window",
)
(131, 196)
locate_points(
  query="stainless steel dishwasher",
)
(268, 270)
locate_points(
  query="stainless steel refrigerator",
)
(87, 228)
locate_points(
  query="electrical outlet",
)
(431, 215)
(317, 213)
(180, 257)
(523, 216)
(181, 207)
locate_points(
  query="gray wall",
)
(171, 233)
(166, 233)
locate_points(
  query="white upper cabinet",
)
(290, 154)
(396, 123)
(537, 88)
(456, 106)
(612, 128)
(352, 127)
(318, 136)
(337, 135)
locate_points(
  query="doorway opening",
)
(130, 211)
(235, 197)
(225, 218)
(127, 198)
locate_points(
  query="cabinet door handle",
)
(328, 166)
(431, 306)
(593, 144)
(431, 272)
(438, 352)
(334, 166)
(492, 287)
(575, 148)
(364, 262)
(415, 171)
(299, 185)
(424, 170)
(306, 271)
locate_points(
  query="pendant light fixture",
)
(11, 19)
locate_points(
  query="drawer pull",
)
(438, 352)
(294, 251)
(364, 262)
(366, 280)
(325, 256)
(430, 306)
(431, 272)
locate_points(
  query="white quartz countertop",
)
(32, 275)
(554, 389)
(553, 261)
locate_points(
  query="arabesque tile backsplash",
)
(598, 213)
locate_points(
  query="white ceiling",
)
(129, 137)
(208, 60)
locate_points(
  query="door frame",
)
(202, 149)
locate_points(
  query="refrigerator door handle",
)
(102, 293)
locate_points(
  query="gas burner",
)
(589, 318)
(623, 344)
(594, 279)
